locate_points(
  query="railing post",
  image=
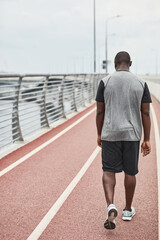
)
(16, 129)
(89, 88)
(74, 94)
(43, 113)
(61, 101)
(45, 101)
(83, 100)
(94, 86)
(97, 80)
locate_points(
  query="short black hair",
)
(122, 57)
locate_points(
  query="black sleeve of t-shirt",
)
(146, 95)
(100, 92)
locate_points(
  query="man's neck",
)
(122, 67)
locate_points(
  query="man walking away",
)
(123, 102)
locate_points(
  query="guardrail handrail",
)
(29, 102)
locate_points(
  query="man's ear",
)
(130, 64)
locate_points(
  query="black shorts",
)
(120, 156)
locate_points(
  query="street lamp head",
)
(110, 18)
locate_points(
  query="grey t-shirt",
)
(122, 92)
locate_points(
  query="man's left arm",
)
(146, 122)
(99, 121)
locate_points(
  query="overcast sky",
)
(56, 36)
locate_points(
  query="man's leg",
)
(130, 166)
(130, 184)
(109, 182)
(111, 160)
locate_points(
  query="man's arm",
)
(146, 122)
(99, 120)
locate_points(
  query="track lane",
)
(29, 190)
(83, 214)
(60, 201)
(44, 145)
(27, 148)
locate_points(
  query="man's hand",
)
(145, 148)
(99, 141)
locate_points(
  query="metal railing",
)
(31, 102)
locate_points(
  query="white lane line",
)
(28, 155)
(157, 140)
(54, 209)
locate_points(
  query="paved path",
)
(31, 189)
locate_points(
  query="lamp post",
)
(94, 33)
(106, 38)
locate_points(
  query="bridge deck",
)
(58, 159)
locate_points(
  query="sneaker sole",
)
(112, 214)
(128, 218)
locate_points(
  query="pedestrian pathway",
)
(56, 192)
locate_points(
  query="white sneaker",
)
(112, 213)
(127, 215)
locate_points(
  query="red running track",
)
(29, 190)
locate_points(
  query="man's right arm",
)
(146, 122)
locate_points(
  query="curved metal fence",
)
(31, 102)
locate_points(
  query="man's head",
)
(122, 60)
